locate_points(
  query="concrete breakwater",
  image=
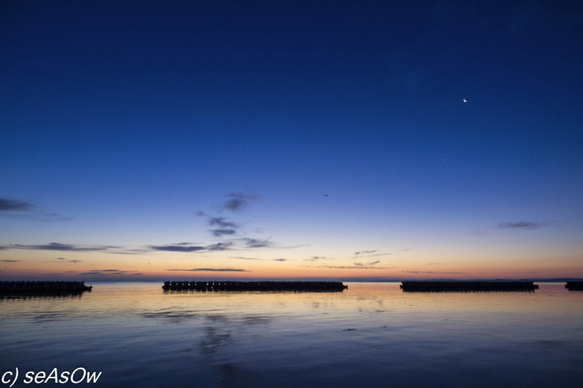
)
(254, 286)
(574, 286)
(42, 287)
(466, 286)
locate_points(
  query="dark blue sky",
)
(341, 125)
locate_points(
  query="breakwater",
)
(466, 286)
(253, 286)
(42, 287)
(574, 286)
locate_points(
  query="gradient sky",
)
(295, 139)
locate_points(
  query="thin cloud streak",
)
(219, 246)
(355, 266)
(185, 247)
(255, 243)
(14, 205)
(63, 260)
(12, 208)
(180, 247)
(257, 259)
(208, 270)
(177, 248)
(223, 232)
(110, 272)
(60, 247)
(364, 252)
(317, 258)
(371, 253)
(368, 266)
(245, 258)
(528, 225)
(221, 222)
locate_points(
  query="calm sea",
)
(370, 335)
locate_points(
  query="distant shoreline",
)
(346, 280)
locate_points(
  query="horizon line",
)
(315, 278)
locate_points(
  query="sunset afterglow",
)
(323, 141)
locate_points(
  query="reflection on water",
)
(40, 295)
(369, 335)
(217, 333)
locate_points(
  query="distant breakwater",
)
(209, 286)
(42, 287)
(467, 286)
(574, 286)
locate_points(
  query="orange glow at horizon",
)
(89, 266)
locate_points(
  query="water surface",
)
(372, 334)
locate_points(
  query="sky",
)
(184, 140)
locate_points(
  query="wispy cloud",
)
(63, 260)
(245, 258)
(255, 243)
(433, 272)
(14, 205)
(182, 247)
(317, 258)
(219, 246)
(10, 261)
(107, 273)
(187, 247)
(60, 247)
(177, 248)
(79, 248)
(49, 217)
(364, 252)
(238, 201)
(523, 225)
(356, 266)
(231, 232)
(221, 222)
(208, 270)
(368, 266)
(256, 259)
(222, 227)
(223, 232)
(13, 208)
(370, 253)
